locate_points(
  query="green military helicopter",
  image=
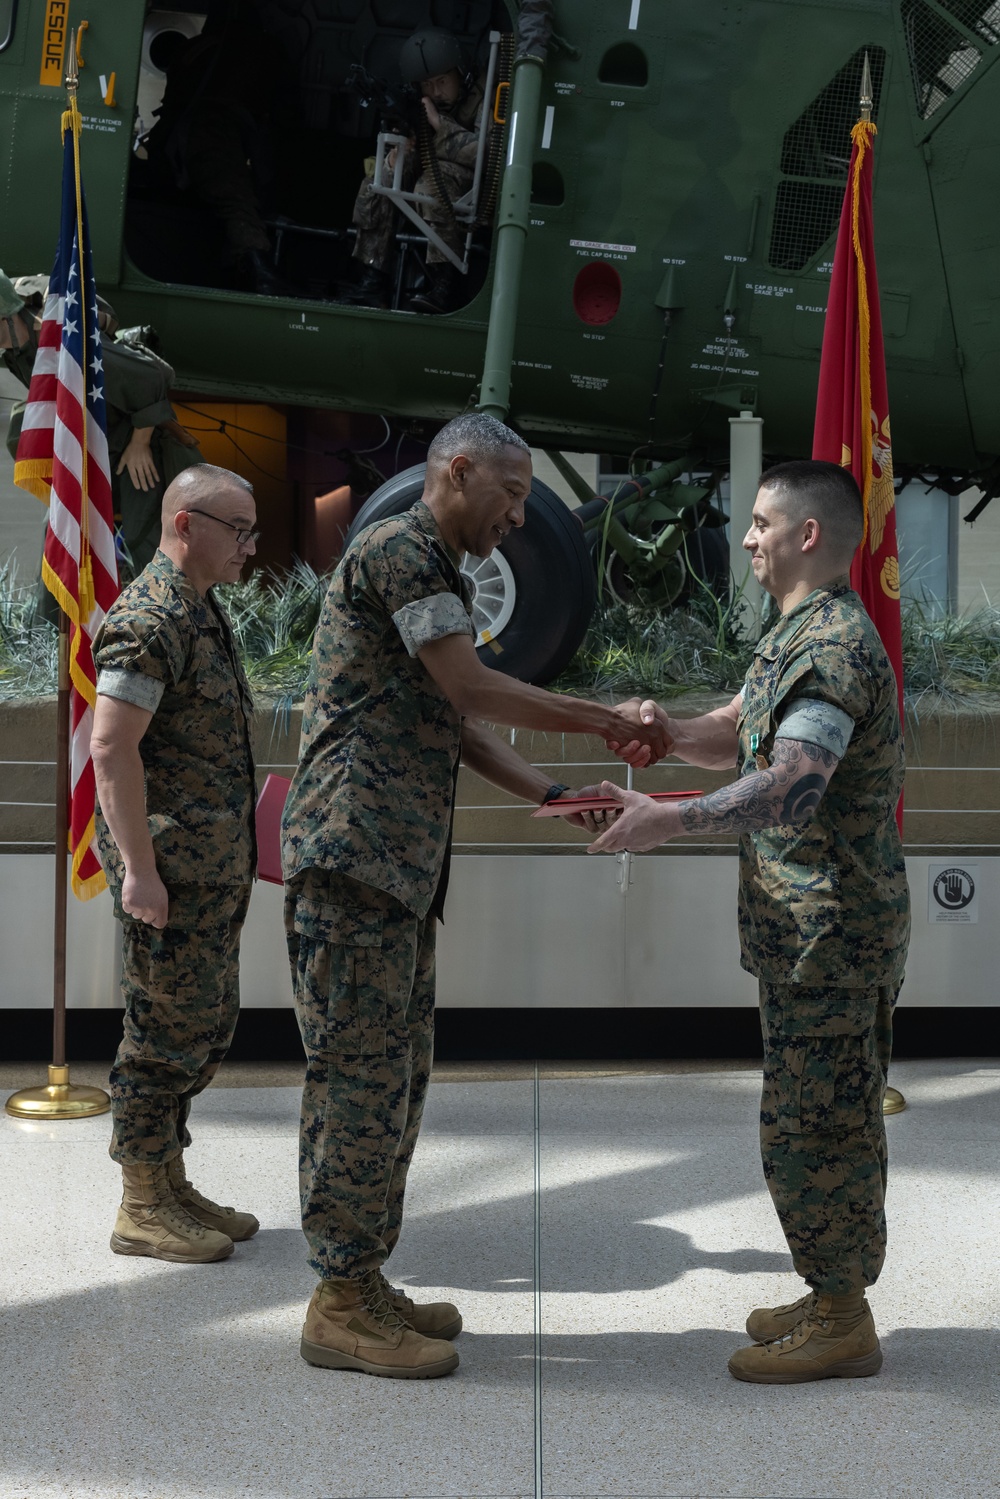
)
(646, 252)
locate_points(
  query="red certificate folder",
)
(564, 804)
(270, 805)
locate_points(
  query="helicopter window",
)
(624, 65)
(8, 15)
(597, 293)
(547, 186)
(819, 143)
(945, 53)
(815, 157)
(259, 121)
(805, 216)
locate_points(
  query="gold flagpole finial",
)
(72, 67)
(867, 93)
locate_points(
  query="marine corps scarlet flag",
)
(852, 407)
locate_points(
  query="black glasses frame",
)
(242, 535)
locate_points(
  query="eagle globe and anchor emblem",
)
(881, 498)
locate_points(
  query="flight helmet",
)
(426, 54)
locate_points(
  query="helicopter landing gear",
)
(698, 567)
(663, 590)
(532, 599)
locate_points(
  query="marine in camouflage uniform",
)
(366, 839)
(366, 844)
(824, 926)
(823, 910)
(167, 648)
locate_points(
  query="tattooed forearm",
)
(787, 792)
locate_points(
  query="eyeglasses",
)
(243, 538)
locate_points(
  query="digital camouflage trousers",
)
(181, 992)
(377, 220)
(822, 1134)
(363, 973)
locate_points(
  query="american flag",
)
(63, 420)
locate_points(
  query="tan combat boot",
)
(152, 1222)
(433, 1319)
(237, 1226)
(350, 1325)
(836, 1339)
(765, 1323)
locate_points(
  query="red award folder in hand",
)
(564, 804)
(270, 805)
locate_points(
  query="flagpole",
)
(62, 853)
(60, 1099)
(893, 1101)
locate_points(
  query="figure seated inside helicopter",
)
(282, 165)
(431, 173)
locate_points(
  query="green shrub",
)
(626, 650)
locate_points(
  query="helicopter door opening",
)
(260, 122)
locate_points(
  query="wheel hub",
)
(494, 592)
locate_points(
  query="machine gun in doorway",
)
(398, 104)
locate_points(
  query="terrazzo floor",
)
(605, 1237)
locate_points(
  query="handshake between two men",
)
(648, 738)
(783, 789)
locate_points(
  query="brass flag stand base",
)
(60, 1100)
(893, 1102)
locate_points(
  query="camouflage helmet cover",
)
(427, 54)
(33, 289)
(10, 302)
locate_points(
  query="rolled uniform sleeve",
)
(813, 721)
(414, 581)
(431, 619)
(130, 687)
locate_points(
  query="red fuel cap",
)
(597, 293)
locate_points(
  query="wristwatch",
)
(553, 794)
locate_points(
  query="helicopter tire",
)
(541, 584)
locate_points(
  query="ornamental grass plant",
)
(948, 659)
